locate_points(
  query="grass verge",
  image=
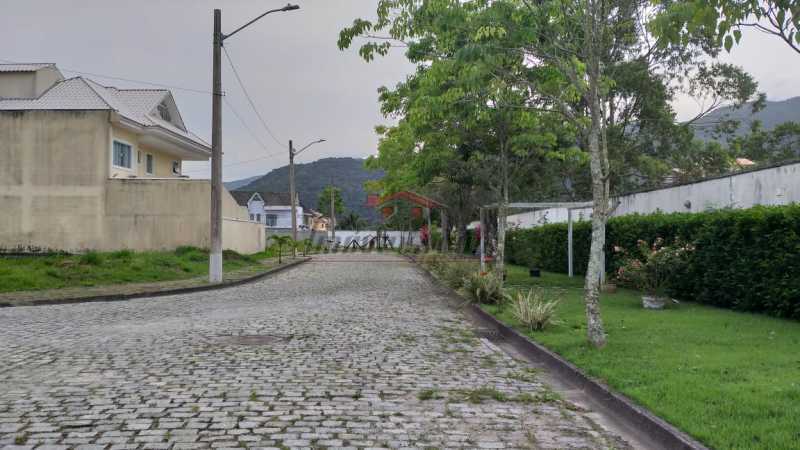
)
(730, 379)
(29, 273)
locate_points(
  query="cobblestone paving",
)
(352, 351)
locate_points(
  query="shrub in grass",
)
(433, 261)
(484, 287)
(184, 249)
(533, 309)
(122, 254)
(91, 258)
(232, 255)
(455, 272)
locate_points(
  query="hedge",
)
(745, 259)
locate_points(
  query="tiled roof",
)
(83, 94)
(270, 198)
(24, 67)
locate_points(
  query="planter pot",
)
(535, 272)
(653, 302)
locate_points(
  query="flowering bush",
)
(653, 266)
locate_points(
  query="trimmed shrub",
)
(744, 259)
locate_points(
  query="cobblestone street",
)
(352, 350)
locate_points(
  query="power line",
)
(244, 124)
(130, 80)
(250, 100)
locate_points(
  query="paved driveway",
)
(347, 351)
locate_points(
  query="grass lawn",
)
(731, 380)
(95, 269)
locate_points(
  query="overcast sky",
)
(303, 86)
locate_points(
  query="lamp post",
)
(215, 255)
(292, 193)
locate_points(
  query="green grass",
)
(730, 379)
(96, 269)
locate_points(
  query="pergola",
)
(423, 202)
(570, 206)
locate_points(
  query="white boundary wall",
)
(778, 185)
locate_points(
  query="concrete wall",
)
(27, 84)
(243, 236)
(55, 193)
(165, 213)
(18, 84)
(771, 186)
(52, 179)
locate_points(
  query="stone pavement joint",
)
(369, 356)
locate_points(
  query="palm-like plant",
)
(282, 241)
(306, 244)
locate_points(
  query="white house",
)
(273, 209)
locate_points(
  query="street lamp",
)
(215, 256)
(292, 195)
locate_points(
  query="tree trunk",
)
(599, 170)
(461, 237)
(502, 211)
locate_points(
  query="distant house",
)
(85, 166)
(273, 209)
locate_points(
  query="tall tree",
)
(324, 201)
(724, 20)
(588, 68)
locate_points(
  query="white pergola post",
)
(569, 242)
(544, 205)
(483, 239)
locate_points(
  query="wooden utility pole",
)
(215, 255)
(292, 194)
(333, 217)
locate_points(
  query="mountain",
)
(234, 185)
(773, 114)
(347, 174)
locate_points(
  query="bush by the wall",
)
(745, 259)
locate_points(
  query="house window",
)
(252, 217)
(258, 217)
(163, 111)
(176, 167)
(272, 219)
(122, 155)
(148, 165)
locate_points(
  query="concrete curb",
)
(177, 291)
(624, 408)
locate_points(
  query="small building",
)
(85, 166)
(273, 209)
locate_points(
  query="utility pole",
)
(292, 197)
(215, 254)
(292, 190)
(333, 216)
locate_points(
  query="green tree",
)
(324, 201)
(575, 85)
(352, 221)
(723, 20)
